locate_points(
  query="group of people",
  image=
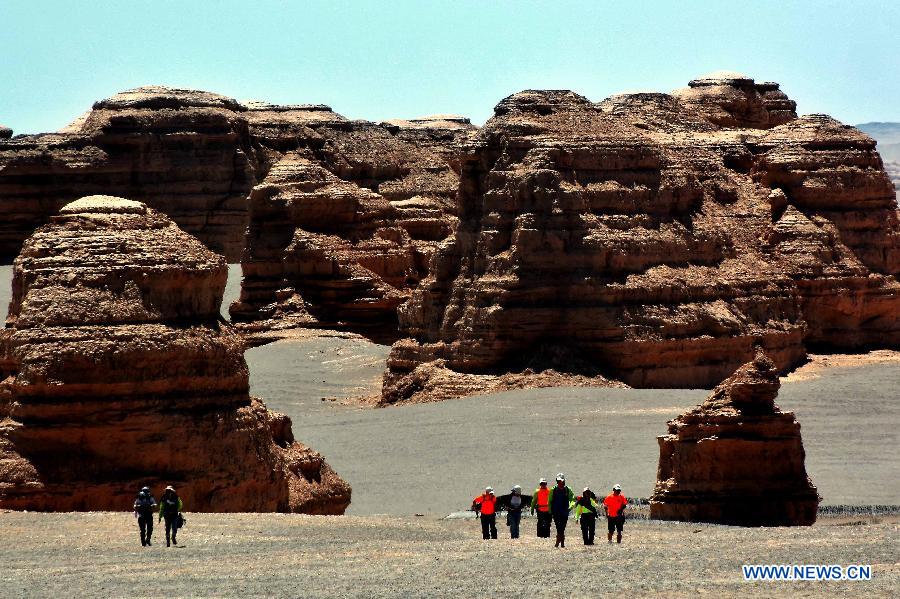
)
(552, 505)
(169, 509)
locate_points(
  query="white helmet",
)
(586, 489)
(617, 487)
(489, 489)
(543, 481)
(561, 477)
(516, 488)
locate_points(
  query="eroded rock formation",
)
(185, 153)
(347, 219)
(736, 458)
(119, 372)
(197, 157)
(657, 238)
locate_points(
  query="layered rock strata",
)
(197, 156)
(736, 458)
(119, 373)
(657, 241)
(185, 153)
(347, 219)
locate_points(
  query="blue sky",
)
(380, 60)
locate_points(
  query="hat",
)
(543, 481)
(145, 489)
(560, 476)
(170, 488)
(516, 488)
(617, 487)
(489, 489)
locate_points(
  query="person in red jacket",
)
(614, 506)
(485, 505)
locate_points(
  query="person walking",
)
(540, 503)
(514, 503)
(586, 507)
(144, 506)
(614, 506)
(485, 505)
(170, 508)
(561, 501)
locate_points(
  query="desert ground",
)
(433, 458)
(245, 555)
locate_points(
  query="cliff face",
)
(185, 153)
(119, 373)
(657, 240)
(736, 458)
(347, 219)
(204, 160)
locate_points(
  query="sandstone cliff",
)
(346, 221)
(120, 373)
(205, 161)
(736, 458)
(657, 238)
(185, 153)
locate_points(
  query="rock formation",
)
(119, 373)
(656, 239)
(732, 99)
(347, 219)
(197, 156)
(736, 458)
(5, 132)
(185, 153)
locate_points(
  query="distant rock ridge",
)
(119, 373)
(193, 155)
(736, 458)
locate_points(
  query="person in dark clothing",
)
(561, 501)
(144, 506)
(485, 506)
(586, 512)
(170, 508)
(513, 503)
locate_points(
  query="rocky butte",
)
(347, 219)
(119, 372)
(196, 156)
(655, 239)
(736, 458)
(185, 153)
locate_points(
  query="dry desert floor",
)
(272, 555)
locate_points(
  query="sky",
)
(400, 59)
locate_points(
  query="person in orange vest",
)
(540, 502)
(614, 506)
(485, 506)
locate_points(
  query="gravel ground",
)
(98, 555)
